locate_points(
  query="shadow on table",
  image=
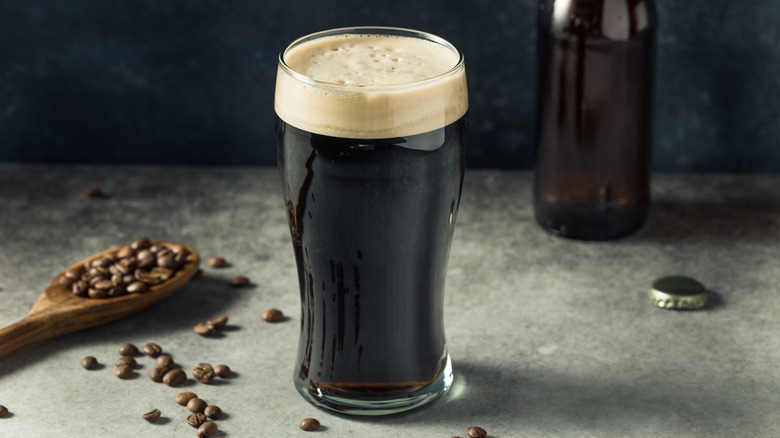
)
(488, 396)
(675, 220)
(197, 300)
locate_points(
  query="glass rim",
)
(371, 30)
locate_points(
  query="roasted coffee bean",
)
(80, 288)
(116, 291)
(218, 323)
(103, 283)
(147, 277)
(3, 411)
(310, 424)
(222, 370)
(66, 281)
(164, 360)
(183, 397)
(181, 257)
(196, 419)
(98, 273)
(272, 315)
(116, 279)
(93, 280)
(128, 350)
(196, 405)
(152, 415)
(146, 259)
(476, 432)
(203, 328)
(123, 371)
(158, 373)
(97, 293)
(73, 274)
(128, 279)
(126, 266)
(217, 262)
(127, 360)
(206, 429)
(167, 261)
(166, 258)
(174, 377)
(94, 192)
(136, 287)
(141, 243)
(153, 350)
(203, 372)
(213, 412)
(198, 274)
(161, 274)
(102, 262)
(125, 252)
(114, 270)
(240, 281)
(89, 363)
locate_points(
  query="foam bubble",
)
(370, 86)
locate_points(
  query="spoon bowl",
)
(58, 311)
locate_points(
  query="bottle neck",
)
(616, 20)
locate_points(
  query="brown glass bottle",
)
(594, 103)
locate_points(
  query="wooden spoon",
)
(58, 311)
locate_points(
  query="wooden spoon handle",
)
(24, 333)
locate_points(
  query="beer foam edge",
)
(371, 86)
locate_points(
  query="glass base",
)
(320, 397)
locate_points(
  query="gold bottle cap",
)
(679, 293)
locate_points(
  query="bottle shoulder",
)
(617, 20)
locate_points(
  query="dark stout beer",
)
(372, 220)
(371, 295)
(595, 76)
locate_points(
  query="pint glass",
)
(371, 135)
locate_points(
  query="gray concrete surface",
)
(549, 337)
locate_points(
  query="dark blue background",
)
(191, 81)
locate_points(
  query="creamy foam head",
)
(376, 84)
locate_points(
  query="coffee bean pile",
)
(133, 268)
(202, 412)
(166, 371)
(144, 256)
